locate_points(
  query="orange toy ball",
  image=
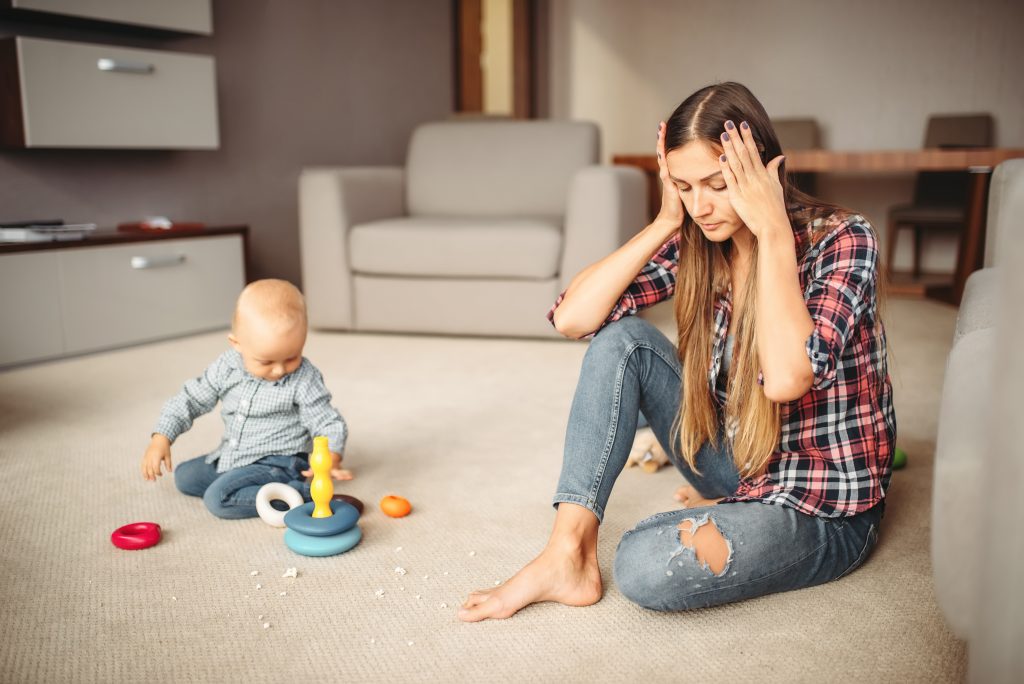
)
(395, 506)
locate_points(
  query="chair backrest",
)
(496, 168)
(951, 131)
(1005, 209)
(797, 134)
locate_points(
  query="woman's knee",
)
(616, 338)
(639, 577)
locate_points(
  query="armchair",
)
(487, 222)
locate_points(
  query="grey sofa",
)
(977, 514)
(477, 234)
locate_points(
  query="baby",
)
(273, 403)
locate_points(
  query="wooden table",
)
(978, 162)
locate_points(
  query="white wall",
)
(869, 71)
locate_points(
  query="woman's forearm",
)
(783, 322)
(595, 290)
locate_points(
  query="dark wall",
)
(314, 82)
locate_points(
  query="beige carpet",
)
(470, 430)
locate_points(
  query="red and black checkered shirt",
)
(835, 450)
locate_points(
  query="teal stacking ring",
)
(300, 519)
(322, 546)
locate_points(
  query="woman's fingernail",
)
(725, 136)
(722, 158)
(744, 125)
(730, 125)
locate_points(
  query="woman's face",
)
(695, 170)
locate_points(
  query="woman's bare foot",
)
(565, 574)
(691, 498)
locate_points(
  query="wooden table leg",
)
(970, 254)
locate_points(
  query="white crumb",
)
(418, 596)
(283, 593)
(409, 643)
(174, 598)
(426, 577)
(446, 573)
(373, 641)
(379, 593)
(266, 625)
(472, 553)
(254, 573)
(401, 588)
(291, 572)
(260, 617)
(398, 548)
(497, 582)
(400, 571)
(444, 605)
(259, 586)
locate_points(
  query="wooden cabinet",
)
(87, 297)
(188, 16)
(76, 95)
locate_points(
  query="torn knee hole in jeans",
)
(701, 538)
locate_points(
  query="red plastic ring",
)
(136, 536)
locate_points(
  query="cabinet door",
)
(143, 291)
(97, 96)
(190, 16)
(30, 327)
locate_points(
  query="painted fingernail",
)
(725, 136)
(730, 125)
(744, 125)
(722, 158)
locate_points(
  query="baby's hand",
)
(158, 454)
(337, 472)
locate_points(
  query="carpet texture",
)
(470, 431)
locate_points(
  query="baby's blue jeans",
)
(630, 368)
(232, 494)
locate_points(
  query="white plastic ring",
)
(276, 491)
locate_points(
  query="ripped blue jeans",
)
(630, 368)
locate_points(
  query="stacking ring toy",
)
(343, 517)
(322, 546)
(276, 491)
(136, 536)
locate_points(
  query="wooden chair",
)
(799, 134)
(940, 197)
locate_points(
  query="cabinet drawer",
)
(96, 96)
(144, 291)
(30, 327)
(191, 16)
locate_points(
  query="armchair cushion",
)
(457, 247)
(496, 168)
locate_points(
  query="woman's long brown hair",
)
(751, 420)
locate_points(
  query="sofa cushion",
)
(978, 305)
(457, 247)
(960, 458)
(496, 168)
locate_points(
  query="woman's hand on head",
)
(755, 190)
(672, 212)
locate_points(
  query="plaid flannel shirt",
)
(261, 417)
(835, 450)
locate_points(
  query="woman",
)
(776, 399)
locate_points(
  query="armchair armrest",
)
(607, 206)
(331, 201)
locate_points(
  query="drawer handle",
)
(141, 262)
(124, 66)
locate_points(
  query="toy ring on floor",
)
(276, 491)
(322, 546)
(302, 521)
(140, 535)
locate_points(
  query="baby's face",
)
(268, 351)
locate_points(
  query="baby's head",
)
(269, 328)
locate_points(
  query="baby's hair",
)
(275, 301)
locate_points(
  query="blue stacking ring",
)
(322, 546)
(300, 519)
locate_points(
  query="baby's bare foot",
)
(691, 498)
(571, 578)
